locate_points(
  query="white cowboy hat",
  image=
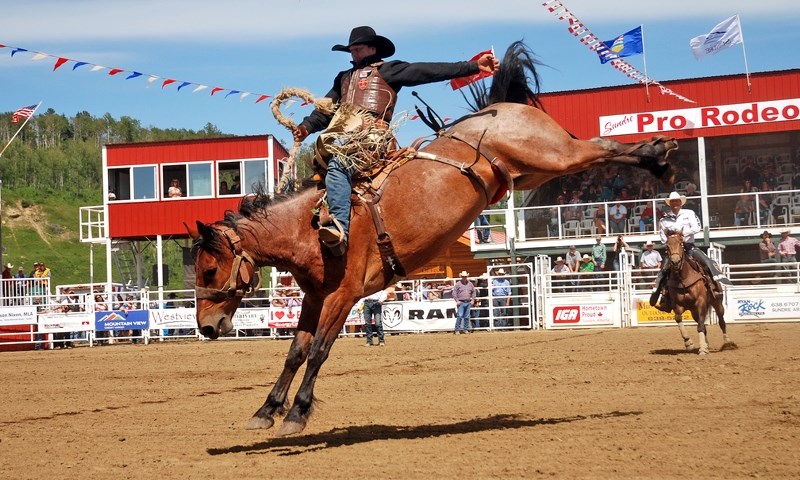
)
(586, 257)
(559, 260)
(8, 265)
(787, 231)
(675, 196)
(464, 274)
(649, 243)
(500, 272)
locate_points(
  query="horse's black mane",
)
(516, 81)
(250, 206)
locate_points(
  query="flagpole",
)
(646, 77)
(744, 52)
(20, 128)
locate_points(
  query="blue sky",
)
(264, 46)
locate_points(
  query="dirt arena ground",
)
(570, 404)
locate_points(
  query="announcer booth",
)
(155, 188)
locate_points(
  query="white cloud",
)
(259, 20)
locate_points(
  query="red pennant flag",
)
(167, 82)
(59, 62)
(215, 90)
(462, 82)
(262, 97)
(115, 71)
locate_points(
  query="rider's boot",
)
(334, 237)
(666, 303)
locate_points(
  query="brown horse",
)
(689, 290)
(426, 204)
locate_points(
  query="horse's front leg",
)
(331, 323)
(687, 342)
(298, 351)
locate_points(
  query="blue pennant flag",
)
(625, 45)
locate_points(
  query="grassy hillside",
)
(45, 227)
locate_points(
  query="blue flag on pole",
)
(625, 45)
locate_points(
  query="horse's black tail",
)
(517, 80)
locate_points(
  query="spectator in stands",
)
(586, 270)
(619, 247)
(20, 286)
(575, 210)
(692, 198)
(787, 248)
(433, 291)
(617, 217)
(174, 189)
(402, 292)
(560, 268)
(501, 293)
(646, 219)
(600, 220)
(750, 171)
(573, 258)
(765, 203)
(111, 195)
(647, 191)
(482, 230)
(650, 258)
(445, 290)
(373, 313)
(422, 290)
(223, 188)
(464, 294)
(236, 188)
(593, 194)
(599, 254)
(744, 210)
(766, 249)
(627, 199)
(41, 285)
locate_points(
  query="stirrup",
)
(333, 237)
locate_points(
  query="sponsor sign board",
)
(582, 315)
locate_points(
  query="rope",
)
(324, 104)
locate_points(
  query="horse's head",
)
(675, 248)
(224, 274)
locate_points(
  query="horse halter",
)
(679, 264)
(229, 290)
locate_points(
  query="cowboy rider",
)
(683, 220)
(371, 84)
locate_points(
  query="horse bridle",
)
(679, 264)
(230, 290)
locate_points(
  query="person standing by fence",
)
(501, 298)
(8, 289)
(373, 310)
(787, 248)
(464, 294)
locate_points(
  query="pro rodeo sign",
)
(701, 117)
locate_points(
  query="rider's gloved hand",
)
(300, 133)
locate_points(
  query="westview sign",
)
(701, 117)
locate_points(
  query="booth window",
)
(133, 183)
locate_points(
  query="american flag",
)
(23, 112)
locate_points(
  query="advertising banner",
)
(22, 315)
(760, 307)
(65, 322)
(584, 315)
(173, 318)
(121, 320)
(700, 117)
(647, 314)
(419, 316)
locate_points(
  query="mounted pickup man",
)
(684, 221)
(366, 96)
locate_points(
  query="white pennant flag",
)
(726, 34)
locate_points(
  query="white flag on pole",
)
(727, 33)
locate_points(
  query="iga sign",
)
(582, 315)
(701, 117)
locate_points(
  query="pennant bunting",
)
(151, 78)
(59, 62)
(581, 32)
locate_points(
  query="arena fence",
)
(510, 297)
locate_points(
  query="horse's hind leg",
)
(727, 343)
(651, 156)
(276, 400)
(701, 331)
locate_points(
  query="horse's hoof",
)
(729, 345)
(257, 423)
(703, 353)
(290, 428)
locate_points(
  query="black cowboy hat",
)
(367, 36)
